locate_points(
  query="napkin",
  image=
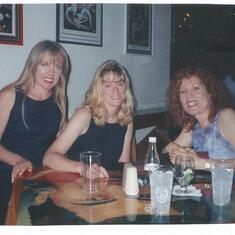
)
(193, 192)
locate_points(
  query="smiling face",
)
(48, 71)
(194, 97)
(114, 90)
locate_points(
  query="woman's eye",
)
(107, 85)
(45, 65)
(121, 84)
(196, 88)
(182, 92)
(59, 67)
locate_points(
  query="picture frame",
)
(11, 24)
(79, 24)
(139, 28)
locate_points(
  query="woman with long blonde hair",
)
(33, 109)
(103, 124)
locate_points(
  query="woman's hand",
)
(188, 152)
(20, 167)
(199, 161)
(175, 150)
(92, 173)
(103, 173)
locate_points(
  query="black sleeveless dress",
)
(42, 119)
(108, 140)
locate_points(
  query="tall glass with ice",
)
(161, 180)
(222, 180)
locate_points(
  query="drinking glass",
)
(161, 181)
(90, 162)
(222, 181)
(184, 172)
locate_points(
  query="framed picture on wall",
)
(11, 24)
(139, 28)
(79, 23)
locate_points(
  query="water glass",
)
(222, 180)
(161, 181)
(184, 172)
(90, 161)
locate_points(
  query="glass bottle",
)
(152, 157)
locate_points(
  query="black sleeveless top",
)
(43, 121)
(108, 140)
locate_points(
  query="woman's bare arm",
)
(226, 125)
(178, 145)
(55, 155)
(19, 163)
(125, 156)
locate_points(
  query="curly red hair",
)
(214, 86)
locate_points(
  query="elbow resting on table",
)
(48, 159)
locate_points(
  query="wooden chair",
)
(162, 141)
(133, 157)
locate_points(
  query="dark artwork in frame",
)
(79, 24)
(139, 28)
(11, 24)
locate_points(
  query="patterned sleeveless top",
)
(209, 139)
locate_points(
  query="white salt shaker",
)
(131, 181)
(127, 164)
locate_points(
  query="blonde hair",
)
(94, 95)
(27, 78)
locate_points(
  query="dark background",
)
(203, 35)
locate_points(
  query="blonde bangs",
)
(27, 78)
(94, 96)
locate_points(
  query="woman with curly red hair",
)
(199, 104)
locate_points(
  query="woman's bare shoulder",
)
(7, 96)
(82, 112)
(227, 113)
(7, 93)
(226, 118)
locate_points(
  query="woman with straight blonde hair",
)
(103, 124)
(33, 109)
